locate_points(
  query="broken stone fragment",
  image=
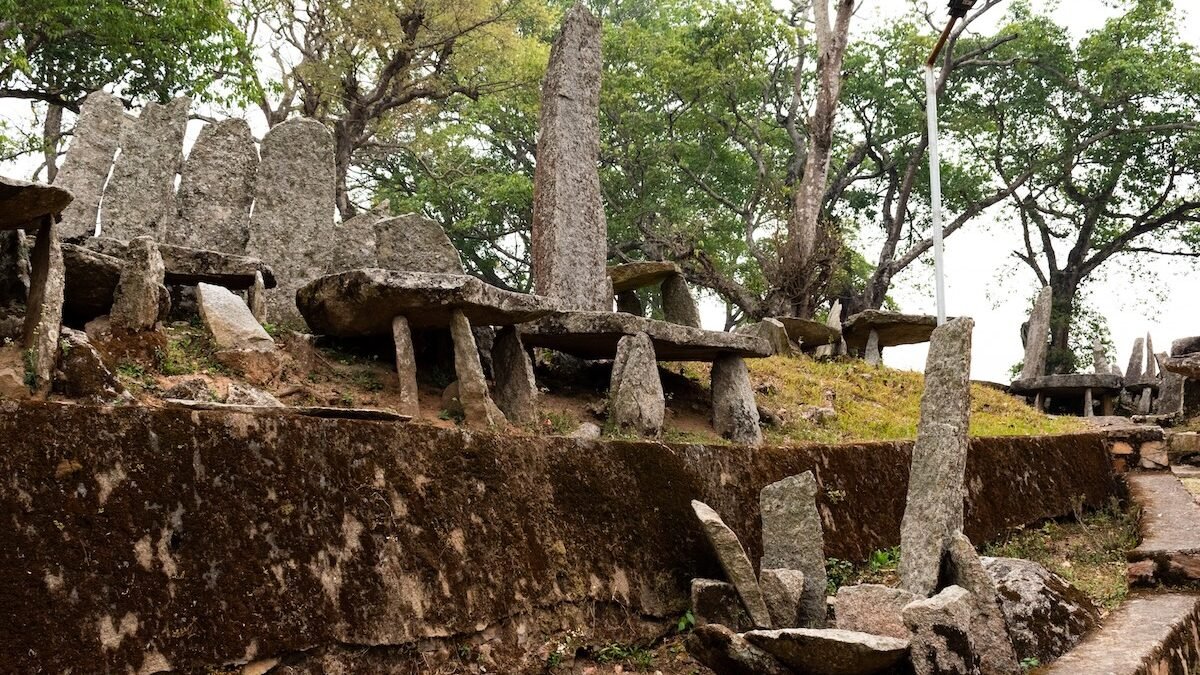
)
(415, 243)
(734, 562)
(941, 634)
(774, 332)
(635, 397)
(830, 651)
(139, 298)
(244, 345)
(84, 373)
(240, 394)
(477, 403)
(735, 414)
(1045, 615)
(516, 390)
(728, 653)
(783, 591)
(962, 567)
(793, 539)
(873, 608)
(718, 602)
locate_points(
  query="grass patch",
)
(189, 350)
(639, 658)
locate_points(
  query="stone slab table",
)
(1087, 385)
(890, 328)
(635, 275)
(809, 334)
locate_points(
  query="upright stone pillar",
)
(872, 354)
(140, 197)
(43, 308)
(137, 302)
(1099, 358)
(1036, 336)
(635, 395)
(735, 413)
(1133, 372)
(216, 189)
(569, 233)
(406, 367)
(1170, 391)
(934, 509)
(516, 390)
(678, 304)
(88, 161)
(629, 303)
(793, 539)
(477, 402)
(293, 210)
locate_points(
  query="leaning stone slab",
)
(416, 243)
(1133, 372)
(23, 204)
(734, 561)
(783, 591)
(934, 507)
(139, 199)
(718, 602)
(810, 334)
(594, 335)
(641, 274)
(187, 266)
(89, 159)
(728, 653)
(635, 395)
(363, 302)
(569, 232)
(735, 413)
(44, 306)
(893, 328)
(1037, 334)
(1044, 614)
(942, 641)
(138, 298)
(830, 651)
(477, 402)
(516, 390)
(793, 539)
(216, 189)
(989, 634)
(229, 320)
(873, 608)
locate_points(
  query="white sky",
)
(980, 281)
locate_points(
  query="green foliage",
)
(29, 356)
(685, 622)
(188, 351)
(559, 422)
(640, 658)
(838, 573)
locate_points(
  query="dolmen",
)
(869, 331)
(31, 209)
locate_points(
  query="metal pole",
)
(935, 190)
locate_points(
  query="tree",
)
(56, 51)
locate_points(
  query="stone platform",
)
(1169, 553)
(807, 333)
(186, 266)
(1087, 385)
(892, 328)
(594, 335)
(635, 275)
(22, 203)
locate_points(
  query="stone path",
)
(1148, 634)
(1170, 527)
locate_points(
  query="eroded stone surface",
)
(1170, 391)
(941, 634)
(635, 394)
(734, 562)
(89, 158)
(138, 298)
(139, 199)
(678, 305)
(1133, 372)
(934, 509)
(1045, 615)
(871, 353)
(230, 321)
(24, 204)
(1187, 345)
(1037, 336)
(962, 567)
(1187, 365)
(241, 394)
(356, 244)
(406, 366)
(830, 651)
(84, 373)
(728, 653)
(793, 539)
(1152, 633)
(735, 413)
(569, 231)
(477, 402)
(595, 335)
(775, 334)
(43, 307)
(216, 189)
(873, 608)
(516, 390)
(414, 242)
(783, 591)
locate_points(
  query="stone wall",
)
(146, 539)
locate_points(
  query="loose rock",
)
(873, 608)
(962, 567)
(1046, 616)
(830, 651)
(84, 373)
(783, 591)
(941, 634)
(728, 653)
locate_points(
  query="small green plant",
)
(456, 416)
(272, 329)
(368, 381)
(884, 560)
(835, 496)
(30, 358)
(1029, 663)
(837, 573)
(686, 622)
(638, 657)
(560, 422)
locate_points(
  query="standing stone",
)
(871, 354)
(1134, 371)
(44, 306)
(140, 197)
(934, 508)
(1151, 371)
(873, 608)
(569, 233)
(415, 243)
(1099, 357)
(216, 189)
(834, 321)
(783, 591)
(477, 403)
(516, 390)
(635, 395)
(356, 245)
(989, 632)
(137, 302)
(941, 637)
(1170, 390)
(293, 210)
(406, 367)
(89, 158)
(793, 539)
(678, 304)
(630, 303)
(735, 414)
(1036, 337)
(256, 298)
(734, 562)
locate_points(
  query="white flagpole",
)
(935, 190)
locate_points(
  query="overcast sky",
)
(983, 279)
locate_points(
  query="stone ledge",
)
(1074, 383)
(1150, 634)
(1169, 553)
(594, 335)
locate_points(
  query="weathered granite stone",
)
(830, 651)
(1134, 371)
(406, 366)
(962, 567)
(190, 266)
(873, 608)
(230, 321)
(24, 204)
(195, 389)
(414, 242)
(595, 335)
(1151, 371)
(1046, 616)
(941, 635)
(809, 334)
(734, 562)
(1170, 391)
(640, 274)
(139, 199)
(356, 243)
(13, 374)
(44, 307)
(588, 430)
(569, 231)
(477, 403)
(934, 508)
(84, 373)
(792, 539)
(630, 303)
(834, 323)
(783, 591)
(718, 602)
(293, 209)
(728, 653)
(137, 300)
(635, 394)
(256, 298)
(1099, 357)
(516, 390)
(735, 414)
(216, 189)
(677, 302)
(871, 353)
(892, 328)
(775, 334)
(1037, 336)
(89, 158)
(1187, 345)
(1187, 365)
(241, 394)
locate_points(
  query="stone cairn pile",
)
(953, 612)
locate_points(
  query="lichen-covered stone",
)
(355, 245)
(1045, 615)
(516, 390)
(139, 199)
(732, 558)
(569, 232)
(635, 394)
(477, 402)
(792, 539)
(216, 189)
(89, 159)
(241, 394)
(138, 299)
(962, 567)
(1037, 336)
(84, 372)
(941, 642)
(728, 653)
(416, 243)
(873, 608)
(735, 413)
(934, 507)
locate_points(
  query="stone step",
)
(1155, 634)
(1169, 552)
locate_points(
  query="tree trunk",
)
(343, 152)
(51, 134)
(1064, 285)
